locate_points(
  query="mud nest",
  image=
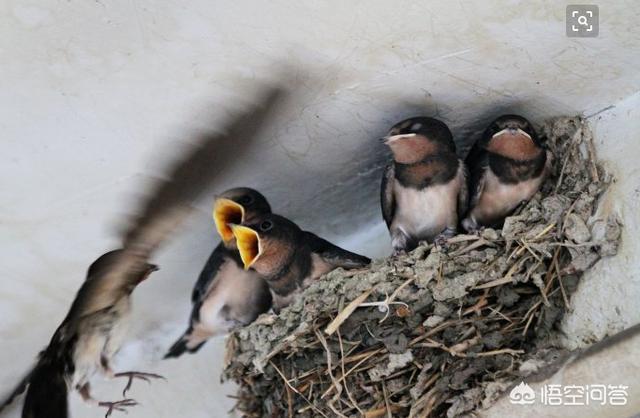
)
(441, 331)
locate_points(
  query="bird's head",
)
(113, 262)
(268, 244)
(512, 136)
(415, 138)
(237, 206)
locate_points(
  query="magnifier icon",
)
(582, 20)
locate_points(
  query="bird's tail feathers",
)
(47, 393)
(17, 391)
(190, 342)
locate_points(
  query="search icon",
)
(582, 20)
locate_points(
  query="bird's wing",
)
(17, 391)
(332, 254)
(463, 193)
(208, 273)
(188, 177)
(169, 200)
(387, 200)
(477, 163)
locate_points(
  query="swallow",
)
(225, 294)
(507, 167)
(424, 189)
(288, 258)
(85, 343)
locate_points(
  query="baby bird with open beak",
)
(225, 294)
(507, 165)
(86, 341)
(424, 189)
(288, 258)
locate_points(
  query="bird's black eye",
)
(266, 225)
(246, 200)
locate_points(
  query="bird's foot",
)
(471, 226)
(397, 252)
(117, 406)
(137, 375)
(441, 239)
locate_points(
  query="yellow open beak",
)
(248, 243)
(225, 212)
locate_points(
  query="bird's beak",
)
(393, 138)
(150, 269)
(248, 242)
(225, 212)
(512, 131)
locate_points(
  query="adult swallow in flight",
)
(424, 189)
(86, 342)
(507, 167)
(225, 294)
(288, 258)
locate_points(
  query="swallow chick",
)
(288, 258)
(225, 294)
(507, 165)
(424, 189)
(85, 343)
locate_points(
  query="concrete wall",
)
(96, 94)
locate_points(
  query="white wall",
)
(95, 94)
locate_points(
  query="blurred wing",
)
(190, 175)
(334, 255)
(387, 200)
(168, 204)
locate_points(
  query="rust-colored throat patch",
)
(517, 144)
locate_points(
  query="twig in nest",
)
(335, 382)
(479, 243)
(497, 352)
(385, 305)
(344, 377)
(496, 311)
(386, 399)
(577, 136)
(539, 235)
(434, 344)
(559, 273)
(477, 307)
(346, 312)
(286, 382)
(592, 154)
(379, 412)
(465, 345)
